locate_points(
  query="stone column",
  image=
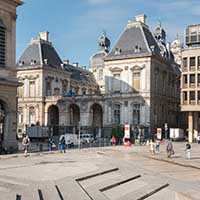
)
(195, 125)
(190, 127)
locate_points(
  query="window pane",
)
(136, 81)
(185, 62)
(192, 95)
(192, 61)
(185, 96)
(199, 95)
(192, 78)
(185, 79)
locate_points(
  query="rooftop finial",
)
(104, 32)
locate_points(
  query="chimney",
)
(141, 18)
(44, 35)
(66, 62)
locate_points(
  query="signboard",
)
(159, 133)
(126, 131)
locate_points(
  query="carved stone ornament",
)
(84, 105)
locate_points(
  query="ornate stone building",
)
(138, 77)
(45, 80)
(8, 81)
(136, 83)
(190, 80)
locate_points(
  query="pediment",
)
(115, 69)
(137, 68)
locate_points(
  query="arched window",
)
(2, 44)
(117, 114)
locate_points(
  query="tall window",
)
(198, 95)
(117, 114)
(185, 63)
(198, 61)
(31, 115)
(48, 88)
(198, 78)
(32, 88)
(2, 44)
(136, 114)
(185, 79)
(20, 91)
(192, 95)
(56, 92)
(20, 116)
(101, 74)
(64, 88)
(116, 83)
(136, 81)
(192, 79)
(184, 96)
(192, 62)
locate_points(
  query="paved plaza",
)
(109, 173)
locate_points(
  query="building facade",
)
(8, 81)
(139, 78)
(45, 80)
(136, 83)
(190, 80)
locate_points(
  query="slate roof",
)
(80, 74)
(40, 53)
(134, 40)
(97, 60)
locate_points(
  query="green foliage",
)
(118, 132)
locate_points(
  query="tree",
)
(118, 133)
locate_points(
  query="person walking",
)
(26, 143)
(152, 147)
(157, 146)
(198, 139)
(113, 140)
(169, 148)
(187, 150)
(62, 144)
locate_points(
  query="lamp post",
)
(79, 135)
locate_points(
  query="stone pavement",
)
(110, 173)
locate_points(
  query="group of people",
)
(155, 148)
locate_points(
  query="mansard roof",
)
(40, 52)
(135, 40)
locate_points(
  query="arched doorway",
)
(53, 119)
(97, 119)
(74, 115)
(2, 122)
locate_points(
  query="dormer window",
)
(118, 51)
(2, 44)
(137, 49)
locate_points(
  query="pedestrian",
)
(169, 148)
(52, 145)
(187, 150)
(26, 143)
(62, 144)
(157, 146)
(113, 140)
(198, 139)
(152, 147)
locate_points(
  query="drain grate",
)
(153, 192)
(119, 183)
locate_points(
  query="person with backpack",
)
(187, 150)
(62, 144)
(26, 143)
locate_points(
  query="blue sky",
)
(75, 25)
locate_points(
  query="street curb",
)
(172, 162)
